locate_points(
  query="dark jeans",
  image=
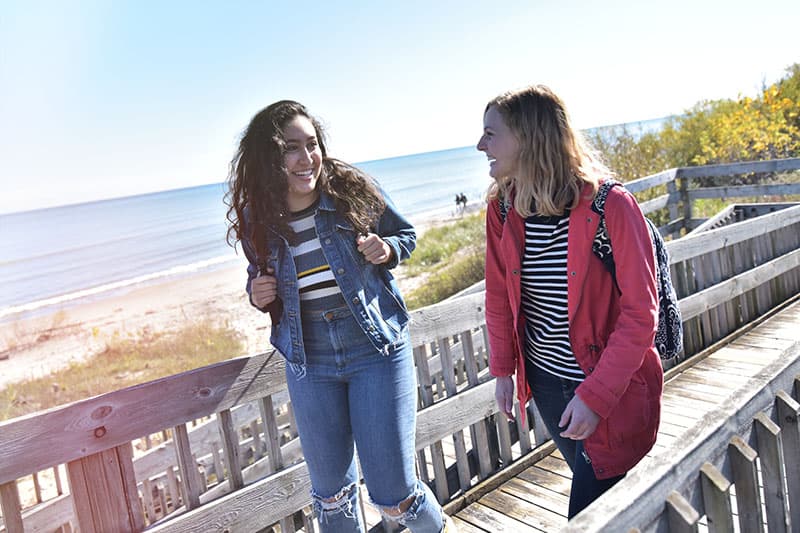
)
(552, 394)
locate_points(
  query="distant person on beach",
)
(580, 346)
(320, 237)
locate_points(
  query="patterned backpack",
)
(669, 335)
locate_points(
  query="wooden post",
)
(104, 491)
(9, 503)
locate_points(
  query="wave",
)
(116, 285)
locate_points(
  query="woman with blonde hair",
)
(579, 342)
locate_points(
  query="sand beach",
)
(35, 347)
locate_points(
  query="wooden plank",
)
(770, 453)
(62, 434)
(541, 496)
(101, 494)
(230, 445)
(788, 415)
(488, 519)
(447, 416)
(698, 303)
(730, 169)
(716, 499)
(190, 484)
(10, 505)
(745, 191)
(539, 518)
(546, 478)
(480, 442)
(465, 527)
(696, 244)
(745, 477)
(252, 508)
(271, 434)
(447, 318)
(683, 518)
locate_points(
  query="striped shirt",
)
(315, 280)
(544, 297)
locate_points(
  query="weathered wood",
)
(539, 518)
(745, 477)
(700, 302)
(446, 319)
(104, 492)
(10, 505)
(682, 516)
(65, 433)
(744, 191)
(190, 483)
(770, 452)
(251, 508)
(788, 414)
(716, 499)
(696, 244)
(230, 445)
(730, 169)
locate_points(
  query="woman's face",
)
(499, 144)
(302, 157)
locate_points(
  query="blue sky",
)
(111, 98)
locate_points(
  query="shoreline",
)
(35, 346)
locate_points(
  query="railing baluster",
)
(745, 479)
(9, 503)
(682, 517)
(716, 499)
(770, 452)
(190, 482)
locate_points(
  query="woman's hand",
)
(504, 394)
(582, 420)
(263, 290)
(375, 249)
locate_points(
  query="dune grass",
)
(125, 361)
(451, 258)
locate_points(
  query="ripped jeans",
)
(352, 396)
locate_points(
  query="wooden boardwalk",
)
(536, 499)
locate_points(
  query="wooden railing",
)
(231, 459)
(745, 451)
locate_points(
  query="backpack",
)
(669, 334)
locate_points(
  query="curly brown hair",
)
(257, 181)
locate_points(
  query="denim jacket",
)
(370, 290)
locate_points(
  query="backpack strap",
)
(601, 246)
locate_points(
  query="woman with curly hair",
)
(579, 340)
(320, 237)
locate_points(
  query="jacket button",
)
(515, 272)
(327, 241)
(572, 273)
(356, 300)
(589, 219)
(340, 271)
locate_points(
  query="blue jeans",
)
(352, 396)
(552, 394)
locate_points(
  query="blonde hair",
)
(555, 161)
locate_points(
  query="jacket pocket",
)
(632, 415)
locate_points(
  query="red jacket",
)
(611, 331)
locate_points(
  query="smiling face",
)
(499, 144)
(302, 158)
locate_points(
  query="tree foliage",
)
(766, 126)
